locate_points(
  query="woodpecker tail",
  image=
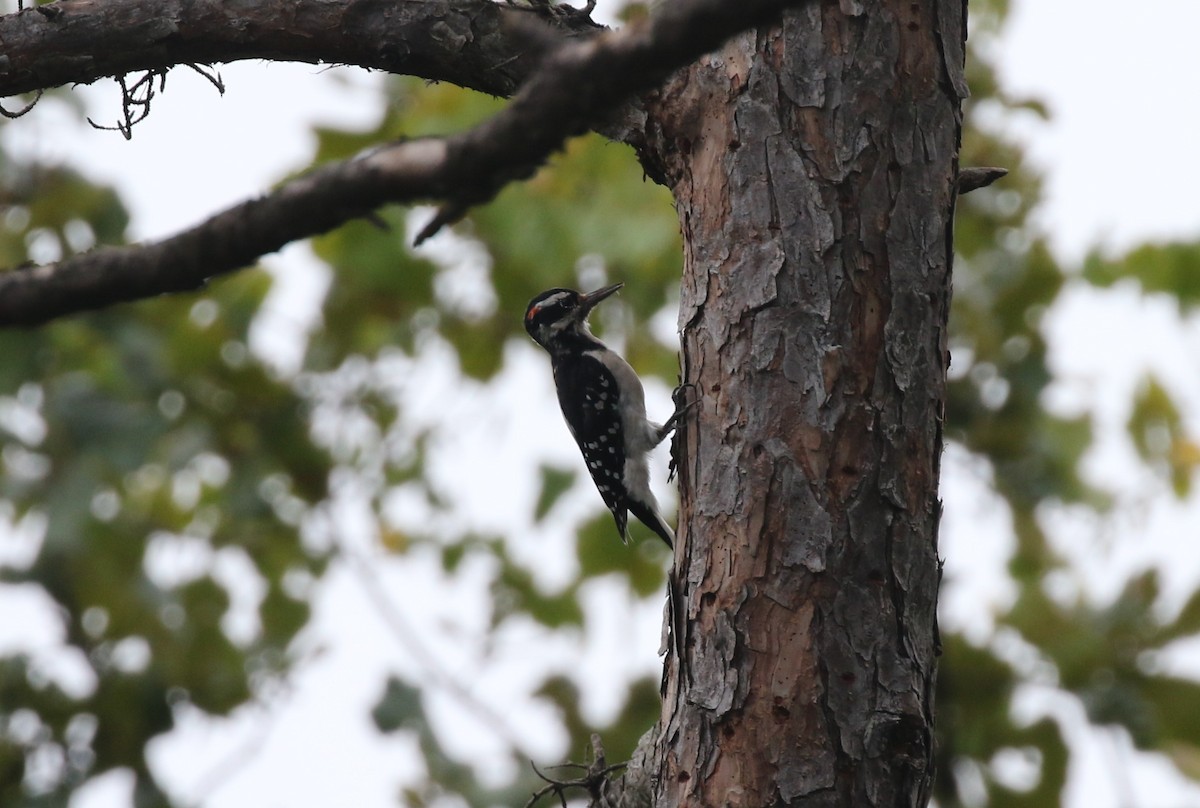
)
(650, 517)
(621, 517)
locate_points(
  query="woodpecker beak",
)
(588, 302)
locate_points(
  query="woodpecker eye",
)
(557, 306)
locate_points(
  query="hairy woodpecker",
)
(603, 403)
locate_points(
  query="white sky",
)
(1120, 79)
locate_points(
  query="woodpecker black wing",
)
(587, 393)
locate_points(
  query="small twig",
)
(972, 179)
(599, 759)
(136, 99)
(594, 779)
(214, 78)
(23, 110)
(554, 786)
(567, 765)
(135, 102)
(446, 214)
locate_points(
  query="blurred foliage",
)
(1099, 653)
(1162, 440)
(133, 436)
(147, 448)
(1171, 269)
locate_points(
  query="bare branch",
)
(575, 86)
(465, 42)
(228, 241)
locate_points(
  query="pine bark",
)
(813, 165)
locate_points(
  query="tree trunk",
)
(813, 165)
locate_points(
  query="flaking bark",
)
(814, 167)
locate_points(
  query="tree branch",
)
(972, 179)
(465, 42)
(573, 88)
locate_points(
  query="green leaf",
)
(1172, 709)
(1186, 623)
(378, 286)
(25, 353)
(1186, 758)
(480, 345)
(555, 483)
(1158, 432)
(514, 591)
(643, 561)
(399, 707)
(564, 694)
(1173, 269)
(975, 690)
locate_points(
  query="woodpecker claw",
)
(681, 410)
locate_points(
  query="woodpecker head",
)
(557, 315)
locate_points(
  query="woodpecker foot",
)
(681, 409)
